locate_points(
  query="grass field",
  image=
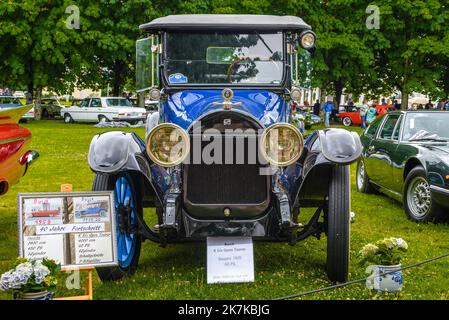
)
(179, 271)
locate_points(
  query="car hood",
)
(441, 150)
(184, 107)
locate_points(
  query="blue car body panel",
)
(184, 107)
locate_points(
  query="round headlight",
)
(155, 94)
(282, 144)
(168, 145)
(308, 40)
(295, 94)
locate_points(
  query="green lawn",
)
(179, 271)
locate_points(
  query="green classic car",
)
(406, 156)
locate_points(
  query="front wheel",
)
(128, 204)
(418, 203)
(337, 224)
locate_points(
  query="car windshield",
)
(118, 102)
(219, 58)
(426, 126)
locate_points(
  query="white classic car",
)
(104, 109)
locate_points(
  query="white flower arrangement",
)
(388, 251)
(30, 276)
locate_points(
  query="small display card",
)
(230, 259)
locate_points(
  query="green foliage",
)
(386, 252)
(30, 276)
(407, 53)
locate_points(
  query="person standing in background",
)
(371, 114)
(317, 107)
(363, 110)
(327, 108)
(396, 105)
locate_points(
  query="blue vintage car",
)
(221, 157)
(91, 212)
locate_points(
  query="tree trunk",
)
(37, 104)
(338, 85)
(118, 78)
(404, 100)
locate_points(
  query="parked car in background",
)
(406, 156)
(29, 115)
(352, 117)
(104, 109)
(149, 105)
(19, 94)
(49, 108)
(15, 155)
(9, 102)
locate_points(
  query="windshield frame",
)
(186, 86)
(407, 117)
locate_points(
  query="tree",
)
(415, 32)
(110, 29)
(38, 50)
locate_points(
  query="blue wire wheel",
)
(125, 196)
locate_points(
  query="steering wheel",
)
(232, 66)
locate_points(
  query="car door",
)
(80, 113)
(95, 109)
(378, 157)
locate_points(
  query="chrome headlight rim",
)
(185, 137)
(295, 94)
(303, 36)
(154, 94)
(279, 163)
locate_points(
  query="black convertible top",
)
(225, 21)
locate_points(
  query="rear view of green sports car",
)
(406, 156)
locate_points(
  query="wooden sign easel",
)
(88, 289)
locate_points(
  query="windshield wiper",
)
(428, 139)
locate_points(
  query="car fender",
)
(340, 146)
(323, 150)
(117, 151)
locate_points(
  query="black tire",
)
(68, 118)
(102, 118)
(45, 114)
(104, 182)
(337, 224)
(433, 212)
(362, 179)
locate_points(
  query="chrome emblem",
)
(227, 122)
(227, 94)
